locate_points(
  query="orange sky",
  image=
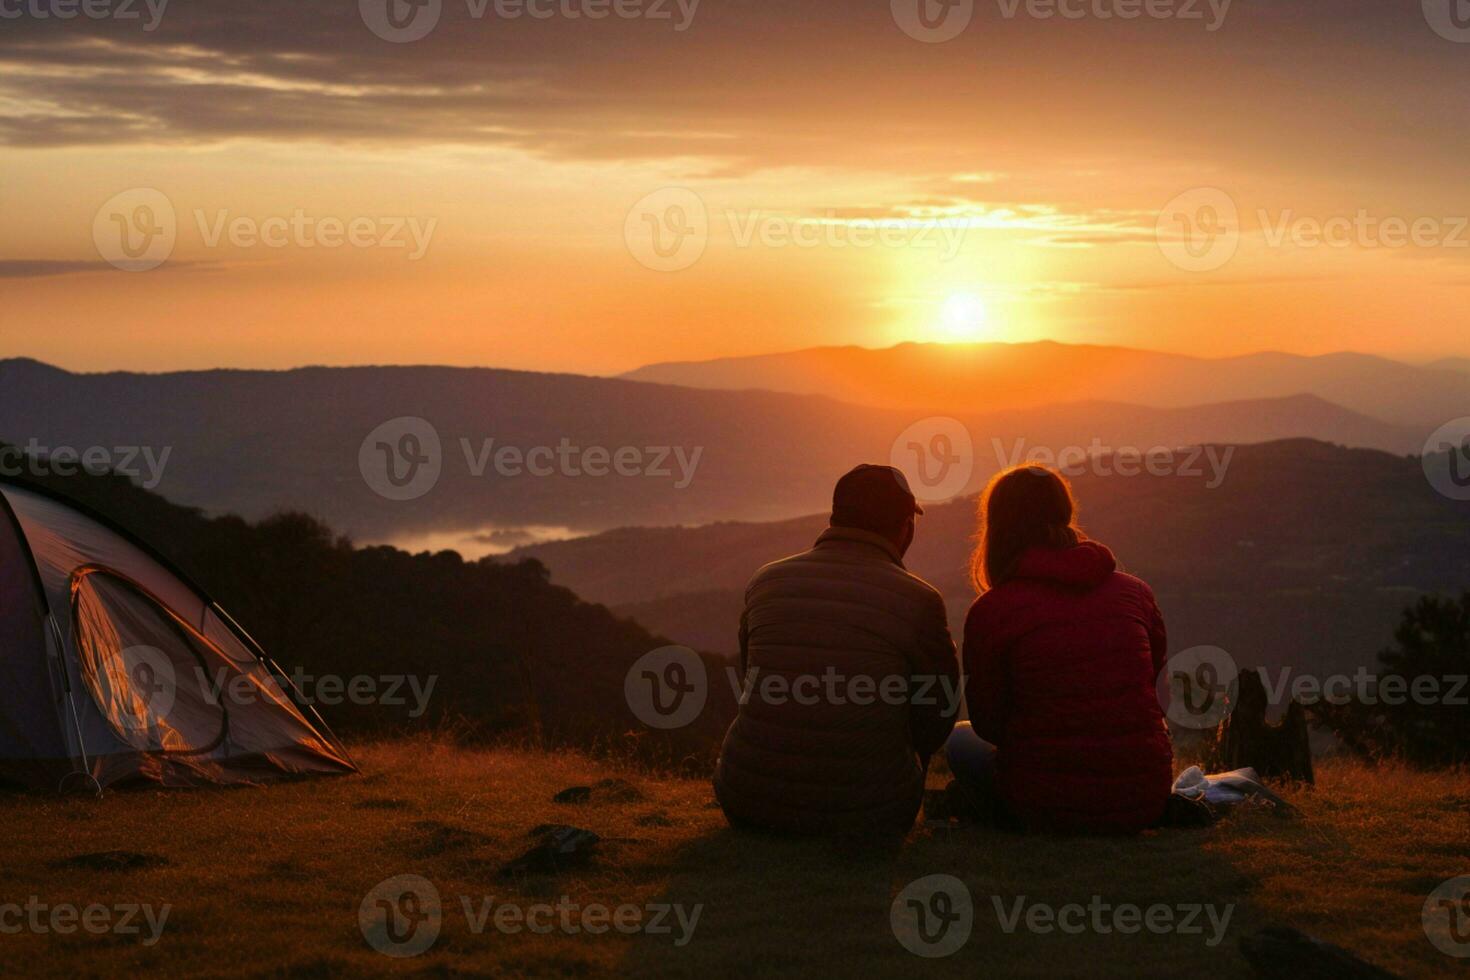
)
(835, 181)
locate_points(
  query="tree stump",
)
(1245, 738)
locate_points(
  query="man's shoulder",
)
(780, 567)
(920, 587)
(814, 562)
(790, 561)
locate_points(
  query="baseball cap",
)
(870, 494)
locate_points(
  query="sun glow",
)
(963, 318)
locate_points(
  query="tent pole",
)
(274, 669)
(71, 706)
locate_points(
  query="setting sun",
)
(963, 318)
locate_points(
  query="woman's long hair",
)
(1022, 508)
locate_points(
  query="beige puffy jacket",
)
(851, 682)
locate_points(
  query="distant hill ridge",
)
(974, 377)
(1461, 364)
(254, 442)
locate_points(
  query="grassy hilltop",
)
(281, 872)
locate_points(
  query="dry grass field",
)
(272, 881)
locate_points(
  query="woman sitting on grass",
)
(1061, 653)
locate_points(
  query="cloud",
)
(1120, 237)
(45, 268)
(751, 84)
(40, 268)
(1213, 282)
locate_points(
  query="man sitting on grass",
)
(851, 679)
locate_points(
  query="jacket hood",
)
(1085, 565)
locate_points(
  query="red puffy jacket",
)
(1060, 665)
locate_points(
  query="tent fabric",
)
(32, 746)
(146, 674)
(152, 683)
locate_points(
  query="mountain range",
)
(312, 439)
(955, 378)
(1461, 364)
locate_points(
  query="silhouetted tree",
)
(1417, 710)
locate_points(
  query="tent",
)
(114, 668)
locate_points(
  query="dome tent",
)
(115, 668)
